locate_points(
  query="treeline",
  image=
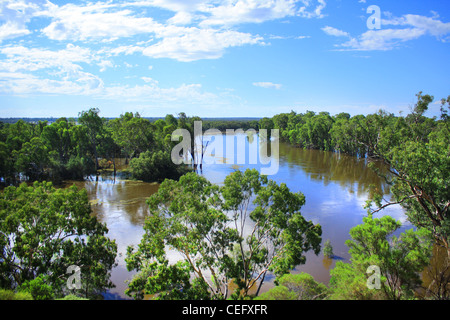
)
(71, 148)
(357, 135)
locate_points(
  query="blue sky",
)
(221, 58)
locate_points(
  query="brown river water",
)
(336, 187)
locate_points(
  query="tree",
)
(185, 216)
(279, 235)
(94, 126)
(43, 231)
(416, 152)
(400, 260)
(155, 167)
(277, 293)
(205, 223)
(32, 159)
(300, 286)
(328, 249)
(132, 133)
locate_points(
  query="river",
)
(336, 187)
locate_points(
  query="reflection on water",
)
(349, 172)
(336, 187)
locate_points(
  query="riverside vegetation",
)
(44, 229)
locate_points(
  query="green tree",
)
(279, 236)
(416, 151)
(277, 293)
(205, 225)
(184, 215)
(328, 249)
(155, 167)
(43, 231)
(300, 286)
(94, 128)
(400, 260)
(32, 159)
(133, 134)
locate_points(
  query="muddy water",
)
(336, 187)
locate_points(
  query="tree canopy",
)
(204, 224)
(43, 231)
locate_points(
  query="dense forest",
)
(41, 225)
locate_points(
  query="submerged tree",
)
(328, 249)
(205, 225)
(94, 127)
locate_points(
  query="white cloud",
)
(245, 11)
(32, 59)
(11, 30)
(267, 85)
(34, 71)
(109, 22)
(429, 25)
(86, 84)
(409, 27)
(385, 39)
(172, 5)
(335, 32)
(305, 11)
(104, 64)
(93, 22)
(26, 84)
(181, 18)
(150, 81)
(16, 14)
(195, 43)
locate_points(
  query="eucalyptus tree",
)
(94, 127)
(236, 234)
(44, 231)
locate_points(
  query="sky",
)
(221, 58)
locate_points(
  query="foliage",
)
(155, 166)
(400, 260)
(43, 231)
(132, 133)
(12, 295)
(280, 234)
(416, 150)
(328, 249)
(72, 297)
(204, 224)
(277, 293)
(38, 288)
(300, 286)
(347, 282)
(184, 216)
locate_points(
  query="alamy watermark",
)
(74, 280)
(374, 21)
(374, 281)
(193, 148)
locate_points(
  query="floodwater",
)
(336, 187)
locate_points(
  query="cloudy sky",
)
(213, 58)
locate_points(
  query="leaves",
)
(207, 226)
(400, 259)
(44, 230)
